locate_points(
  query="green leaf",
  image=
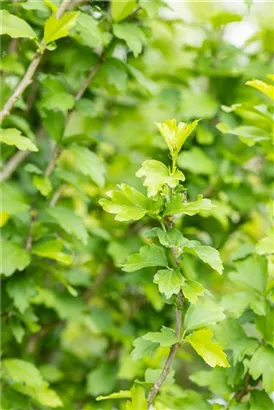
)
(170, 281)
(101, 380)
(138, 398)
(21, 289)
(58, 101)
(27, 379)
(14, 137)
(18, 258)
(157, 175)
(148, 256)
(262, 364)
(52, 249)
(17, 329)
(251, 273)
(58, 28)
(192, 290)
(122, 394)
(121, 9)
(266, 245)
(232, 337)
(13, 201)
(205, 312)
(207, 254)
(70, 222)
(211, 352)
(143, 348)
(259, 400)
(89, 164)
(132, 35)
(127, 203)
(166, 337)
(178, 206)
(247, 133)
(43, 184)
(265, 326)
(116, 73)
(14, 26)
(196, 161)
(87, 26)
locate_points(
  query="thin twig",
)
(12, 164)
(56, 195)
(33, 216)
(240, 394)
(27, 79)
(178, 324)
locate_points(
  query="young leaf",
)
(122, 394)
(121, 9)
(14, 137)
(132, 35)
(148, 256)
(204, 313)
(157, 175)
(262, 364)
(211, 352)
(58, 28)
(14, 26)
(127, 203)
(70, 222)
(207, 254)
(178, 206)
(167, 337)
(170, 281)
(89, 164)
(14, 257)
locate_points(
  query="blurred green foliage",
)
(70, 315)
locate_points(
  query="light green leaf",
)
(58, 28)
(266, 89)
(205, 312)
(88, 28)
(211, 352)
(196, 161)
(157, 175)
(192, 290)
(177, 205)
(138, 398)
(170, 281)
(52, 249)
(35, 5)
(58, 101)
(14, 137)
(247, 133)
(132, 35)
(166, 337)
(43, 184)
(21, 289)
(13, 201)
(116, 73)
(262, 364)
(88, 164)
(122, 394)
(264, 324)
(17, 329)
(14, 26)
(121, 9)
(251, 273)
(127, 203)
(70, 222)
(27, 379)
(143, 348)
(14, 257)
(148, 256)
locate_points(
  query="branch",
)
(12, 164)
(27, 79)
(178, 324)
